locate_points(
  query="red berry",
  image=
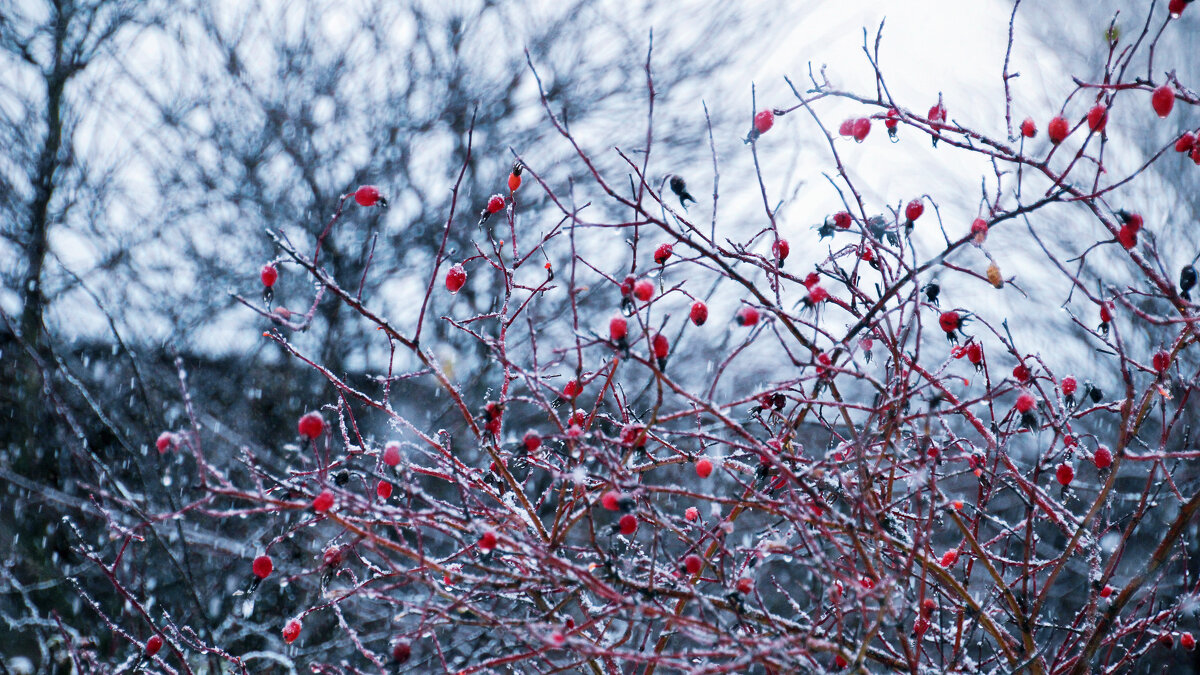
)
(812, 279)
(1127, 235)
(487, 542)
(572, 389)
(628, 524)
(1186, 142)
(780, 249)
(391, 453)
(401, 651)
(866, 254)
(699, 313)
(920, 626)
(164, 442)
(949, 558)
(1102, 457)
(1021, 373)
(1167, 640)
(746, 316)
(1161, 360)
(1196, 153)
(1028, 128)
(692, 513)
(627, 286)
(824, 361)
(914, 209)
(533, 441)
(693, 564)
(927, 607)
(291, 631)
(1163, 100)
(618, 328)
(367, 195)
(1065, 473)
(643, 290)
(384, 490)
(893, 120)
(847, 127)
(1176, 7)
(610, 500)
(1106, 591)
(704, 468)
(979, 230)
(950, 321)
(1106, 312)
(1097, 117)
(495, 204)
(660, 345)
(633, 435)
(745, 585)
(1058, 129)
(974, 353)
(662, 253)
(1133, 221)
(816, 296)
(842, 220)
(937, 114)
(578, 417)
(763, 121)
(1069, 385)
(323, 501)
(456, 278)
(1025, 403)
(840, 661)
(333, 556)
(311, 425)
(262, 566)
(154, 644)
(862, 127)
(514, 182)
(1187, 641)
(269, 275)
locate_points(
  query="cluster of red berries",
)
(856, 128)
(816, 293)
(972, 350)
(493, 414)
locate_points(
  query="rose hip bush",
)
(907, 488)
